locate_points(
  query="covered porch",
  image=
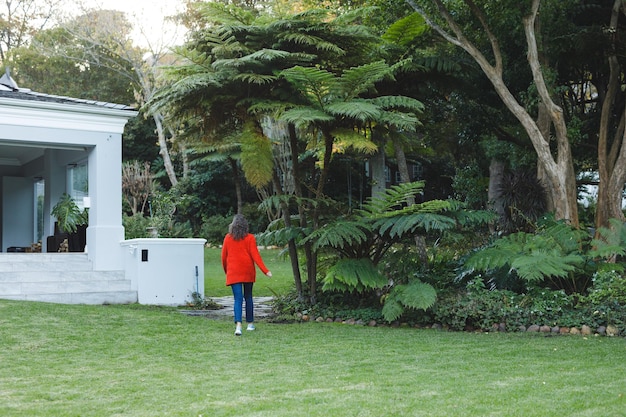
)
(49, 146)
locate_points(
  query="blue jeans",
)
(243, 291)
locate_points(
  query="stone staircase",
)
(66, 278)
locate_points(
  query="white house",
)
(50, 145)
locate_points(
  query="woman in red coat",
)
(239, 257)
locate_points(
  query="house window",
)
(387, 174)
(39, 187)
(78, 183)
(417, 171)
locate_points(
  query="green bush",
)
(214, 228)
(479, 308)
(135, 226)
(606, 300)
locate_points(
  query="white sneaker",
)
(250, 327)
(238, 331)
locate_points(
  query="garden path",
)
(262, 308)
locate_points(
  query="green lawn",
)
(280, 283)
(60, 360)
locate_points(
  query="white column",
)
(55, 180)
(105, 231)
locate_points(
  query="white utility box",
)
(165, 271)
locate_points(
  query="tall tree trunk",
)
(494, 193)
(291, 243)
(185, 158)
(377, 173)
(611, 153)
(163, 150)
(297, 187)
(237, 180)
(315, 218)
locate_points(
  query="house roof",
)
(10, 89)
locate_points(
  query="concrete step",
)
(10, 262)
(66, 278)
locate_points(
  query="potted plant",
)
(71, 221)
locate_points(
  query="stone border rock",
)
(610, 330)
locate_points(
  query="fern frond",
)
(473, 217)
(307, 77)
(405, 30)
(392, 309)
(611, 241)
(266, 54)
(339, 234)
(392, 198)
(353, 275)
(542, 264)
(399, 102)
(438, 64)
(399, 120)
(361, 79)
(351, 139)
(253, 78)
(222, 13)
(490, 258)
(567, 238)
(414, 295)
(303, 116)
(318, 43)
(354, 109)
(257, 159)
(280, 237)
(418, 295)
(399, 226)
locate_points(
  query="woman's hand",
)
(269, 274)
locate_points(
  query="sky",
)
(148, 17)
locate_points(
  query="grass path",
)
(60, 360)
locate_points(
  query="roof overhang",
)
(72, 116)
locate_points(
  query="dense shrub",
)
(135, 227)
(479, 308)
(214, 228)
(334, 305)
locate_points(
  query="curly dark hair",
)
(239, 227)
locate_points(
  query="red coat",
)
(239, 258)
